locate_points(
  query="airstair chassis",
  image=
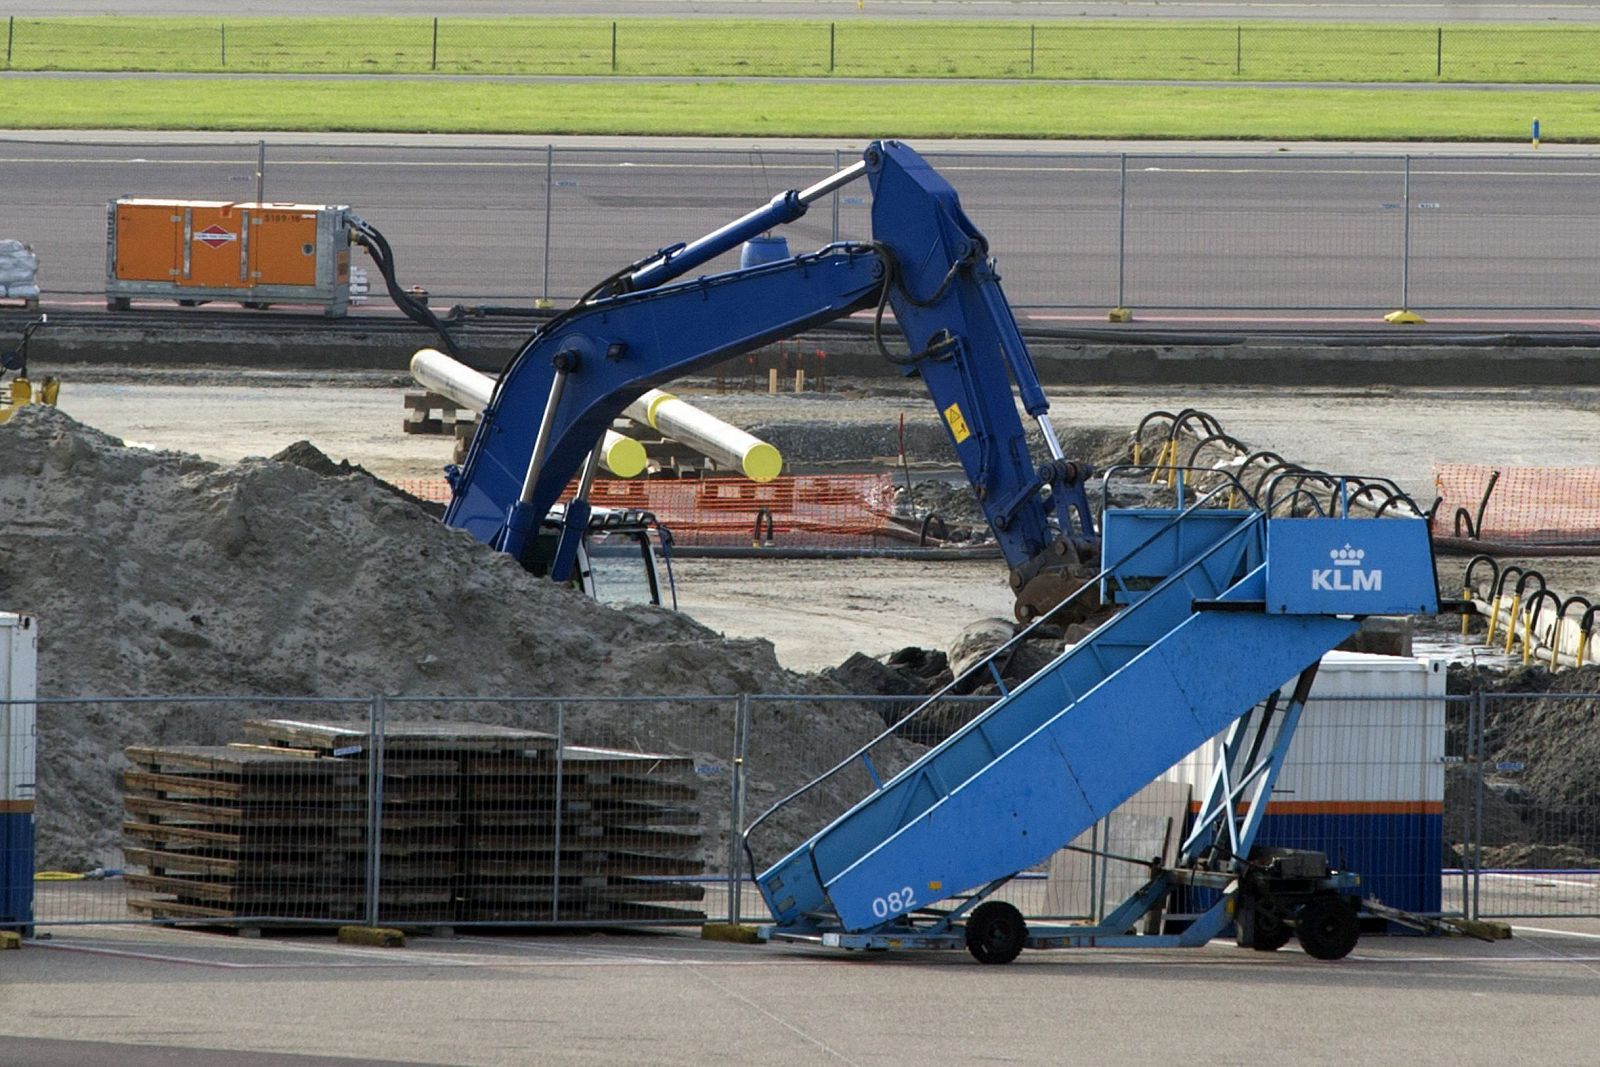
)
(1207, 645)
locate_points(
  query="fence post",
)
(1122, 231)
(1238, 49)
(1438, 55)
(1033, 41)
(831, 28)
(555, 867)
(223, 28)
(838, 165)
(741, 745)
(1478, 705)
(1405, 253)
(261, 171)
(613, 48)
(434, 64)
(549, 195)
(11, 28)
(376, 741)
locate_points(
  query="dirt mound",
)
(160, 573)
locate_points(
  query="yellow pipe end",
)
(625, 457)
(762, 463)
(650, 412)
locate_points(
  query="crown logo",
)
(1347, 556)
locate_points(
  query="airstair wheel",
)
(1328, 927)
(996, 932)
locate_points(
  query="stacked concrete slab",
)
(479, 824)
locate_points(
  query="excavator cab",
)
(620, 559)
(20, 390)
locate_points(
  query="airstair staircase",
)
(1222, 608)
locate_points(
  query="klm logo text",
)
(1346, 575)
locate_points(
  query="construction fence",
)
(1074, 234)
(1536, 506)
(862, 47)
(461, 811)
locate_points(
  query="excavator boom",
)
(645, 326)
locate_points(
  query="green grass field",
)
(1057, 49)
(722, 108)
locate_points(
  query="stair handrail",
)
(1232, 480)
(1231, 483)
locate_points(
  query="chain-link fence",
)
(1074, 234)
(436, 811)
(862, 47)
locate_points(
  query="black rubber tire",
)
(1328, 928)
(1269, 931)
(996, 932)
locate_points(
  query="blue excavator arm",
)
(644, 327)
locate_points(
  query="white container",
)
(1364, 777)
(19, 675)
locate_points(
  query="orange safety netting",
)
(1533, 505)
(825, 510)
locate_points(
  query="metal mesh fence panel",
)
(1503, 233)
(958, 44)
(1051, 222)
(519, 225)
(613, 207)
(575, 811)
(810, 759)
(1364, 783)
(57, 195)
(466, 223)
(1537, 791)
(171, 809)
(256, 811)
(1254, 232)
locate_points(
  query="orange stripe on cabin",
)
(1343, 807)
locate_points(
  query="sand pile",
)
(160, 573)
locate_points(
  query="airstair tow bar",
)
(1221, 607)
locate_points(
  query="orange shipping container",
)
(194, 251)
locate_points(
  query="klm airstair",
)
(1223, 607)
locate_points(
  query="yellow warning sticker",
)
(958, 425)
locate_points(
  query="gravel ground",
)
(817, 613)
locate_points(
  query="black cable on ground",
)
(367, 236)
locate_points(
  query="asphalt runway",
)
(1332, 10)
(128, 997)
(1508, 239)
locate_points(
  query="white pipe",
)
(726, 444)
(438, 373)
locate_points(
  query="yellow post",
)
(1494, 620)
(1511, 623)
(1466, 616)
(772, 381)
